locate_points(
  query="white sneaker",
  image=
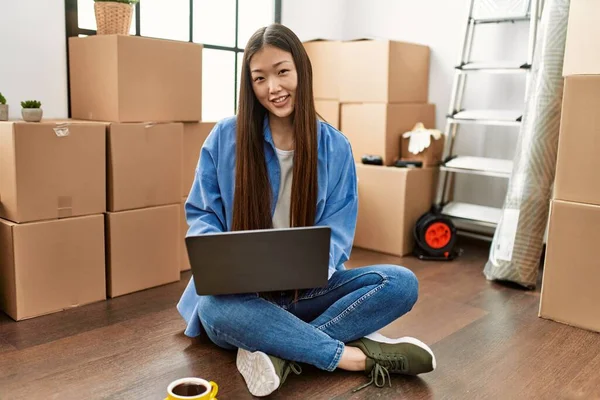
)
(264, 374)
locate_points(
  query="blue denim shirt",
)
(209, 206)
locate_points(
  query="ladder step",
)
(499, 67)
(479, 166)
(501, 19)
(489, 216)
(488, 117)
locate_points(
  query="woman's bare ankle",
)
(353, 359)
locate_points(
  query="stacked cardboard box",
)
(384, 91)
(53, 185)
(572, 267)
(380, 88)
(146, 90)
(326, 62)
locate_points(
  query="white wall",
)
(33, 64)
(314, 19)
(438, 24)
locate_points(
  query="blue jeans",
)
(313, 329)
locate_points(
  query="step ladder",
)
(473, 219)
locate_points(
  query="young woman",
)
(275, 165)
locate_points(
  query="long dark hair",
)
(253, 198)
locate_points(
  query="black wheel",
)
(435, 235)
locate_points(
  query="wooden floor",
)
(487, 337)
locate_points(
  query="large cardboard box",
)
(144, 165)
(376, 129)
(194, 135)
(390, 201)
(582, 53)
(185, 261)
(51, 265)
(51, 170)
(330, 111)
(324, 57)
(572, 271)
(384, 71)
(577, 178)
(143, 248)
(120, 78)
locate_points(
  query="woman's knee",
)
(220, 313)
(404, 282)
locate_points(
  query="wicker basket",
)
(113, 18)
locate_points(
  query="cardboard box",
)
(578, 161)
(430, 157)
(330, 111)
(391, 200)
(144, 165)
(324, 57)
(194, 135)
(582, 53)
(572, 271)
(52, 265)
(384, 71)
(120, 78)
(185, 261)
(143, 248)
(50, 170)
(376, 129)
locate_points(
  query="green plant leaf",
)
(2, 99)
(31, 104)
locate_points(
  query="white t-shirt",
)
(281, 217)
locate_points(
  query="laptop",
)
(259, 260)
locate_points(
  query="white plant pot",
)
(3, 112)
(32, 114)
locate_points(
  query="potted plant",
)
(3, 109)
(31, 110)
(113, 17)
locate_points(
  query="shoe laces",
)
(381, 371)
(290, 366)
(394, 363)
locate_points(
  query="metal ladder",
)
(473, 219)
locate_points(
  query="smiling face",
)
(274, 80)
